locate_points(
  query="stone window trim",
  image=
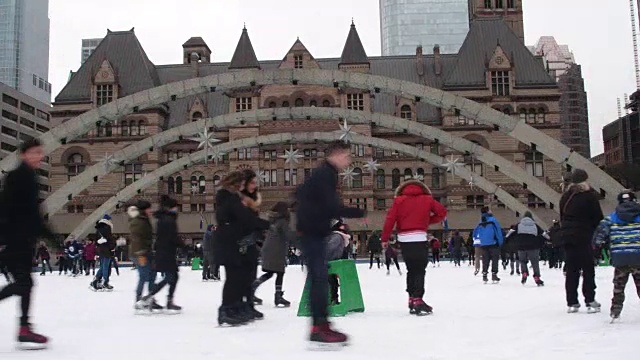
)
(243, 103)
(500, 82)
(355, 101)
(74, 150)
(104, 93)
(380, 183)
(406, 111)
(298, 60)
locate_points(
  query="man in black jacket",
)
(319, 203)
(22, 226)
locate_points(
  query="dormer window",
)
(196, 116)
(243, 104)
(297, 61)
(406, 113)
(104, 94)
(500, 83)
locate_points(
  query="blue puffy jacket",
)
(621, 231)
(488, 232)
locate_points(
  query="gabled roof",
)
(353, 52)
(483, 38)
(134, 70)
(195, 41)
(244, 57)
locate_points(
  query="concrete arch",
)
(59, 198)
(130, 191)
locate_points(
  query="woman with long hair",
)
(235, 222)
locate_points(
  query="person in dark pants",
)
(45, 258)
(142, 249)
(488, 237)
(167, 244)
(22, 224)
(207, 243)
(580, 215)
(318, 203)
(104, 231)
(252, 199)
(457, 242)
(374, 247)
(235, 222)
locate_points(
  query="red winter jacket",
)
(413, 209)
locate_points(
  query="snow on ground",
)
(471, 321)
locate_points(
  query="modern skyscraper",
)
(574, 112)
(88, 46)
(404, 25)
(24, 47)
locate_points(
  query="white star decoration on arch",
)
(291, 157)
(452, 165)
(418, 177)
(109, 161)
(194, 189)
(262, 175)
(217, 155)
(371, 166)
(348, 175)
(205, 140)
(346, 134)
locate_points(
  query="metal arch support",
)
(517, 129)
(151, 179)
(77, 184)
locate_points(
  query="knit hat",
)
(566, 178)
(106, 217)
(626, 196)
(484, 210)
(579, 176)
(143, 205)
(167, 202)
(528, 214)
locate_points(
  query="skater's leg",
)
(370, 259)
(523, 255)
(231, 290)
(317, 275)
(395, 260)
(534, 257)
(588, 275)
(378, 260)
(20, 270)
(478, 257)
(494, 253)
(387, 262)
(172, 279)
(572, 279)
(416, 258)
(620, 278)
(486, 259)
(635, 272)
(266, 276)
(279, 280)
(144, 274)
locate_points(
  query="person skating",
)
(104, 229)
(274, 251)
(318, 203)
(167, 244)
(412, 212)
(90, 253)
(620, 231)
(457, 242)
(43, 254)
(391, 255)
(488, 237)
(527, 239)
(22, 224)
(580, 215)
(374, 247)
(434, 244)
(207, 243)
(73, 254)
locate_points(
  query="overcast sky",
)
(599, 36)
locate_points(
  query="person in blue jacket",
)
(489, 237)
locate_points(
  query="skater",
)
(274, 251)
(166, 246)
(73, 255)
(374, 247)
(318, 203)
(434, 244)
(22, 224)
(488, 237)
(207, 243)
(235, 222)
(90, 253)
(142, 249)
(104, 229)
(45, 258)
(391, 255)
(580, 215)
(527, 239)
(620, 230)
(457, 242)
(412, 212)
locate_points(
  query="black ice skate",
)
(172, 309)
(95, 286)
(495, 279)
(593, 307)
(279, 300)
(28, 340)
(228, 316)
(421, 308)
(106, 287)
(524, 278)
(538, 281)
(485, 277)
(572, 309)
(257, 300)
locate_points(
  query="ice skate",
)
(28, 340)
(573, 308)
(229, 317)
(593, 307)
(495, 279)
(524, 278)
(155, 307)
(323, 338)
(106, 287)
(95, 286)
(412, 309)
(279, 300)
(399, 271)
(172, 309)
(485, 278)
(615, 315)
(476, 272)
(538, 281)
(421, 308)
(388, 272)
(512, 272)
(257, 300)
(142, 307)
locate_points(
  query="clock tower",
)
(509, 10)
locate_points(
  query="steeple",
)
(353, 52)
(244, 57)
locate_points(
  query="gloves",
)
(102, 240)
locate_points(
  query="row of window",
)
(479, 201)
(126, 128)
(9, 100)
(23, 121)
(41, 83)
(499, 4)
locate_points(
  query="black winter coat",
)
(167, 241)
(580, 214)
(318, 203)
(21, 221)
(374, 245)
(235, 221)
(104, 231)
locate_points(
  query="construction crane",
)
(634, 34)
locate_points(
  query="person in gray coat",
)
(274, 251)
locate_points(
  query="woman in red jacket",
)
(413, 210)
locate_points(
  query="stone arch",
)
(75, 150)
(307, 137)
(58, 199)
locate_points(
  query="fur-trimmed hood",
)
(413, 188)
(253, 204)
(105, 221)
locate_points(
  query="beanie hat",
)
(528, 214)
(579, 176)
(484, 210)
(106, 217)
(143, 205)
(167, 202)
(626, 196)
(566, 178)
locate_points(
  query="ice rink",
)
(471, 320)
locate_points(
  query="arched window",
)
(202, 184)
(285, 104)
(541, 117)
(196, 116)
(395, 178)
(299, 102)
(124, 128)
(357, 179)
(178, 184)
(499, 4)
(380, 179)
(216, 181)
(272, 104)
(408, 174)
(523, 115)
(511, 4)
(405, 112)
(133, 128)
(420, 174)
(141, 128)
(108, 130)
(488, 4)
(326, 103)
(531, 116)
(171, 185)
(75, 165)
(313, 103)
(435, 178)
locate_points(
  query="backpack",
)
(485, 234)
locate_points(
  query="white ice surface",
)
(470, 321)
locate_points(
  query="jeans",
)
(315, 254)
(103, 271)
(416, 259)
(534, 257)
(579, 258)
(21, 286)
(490, 254)
(146, 275)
